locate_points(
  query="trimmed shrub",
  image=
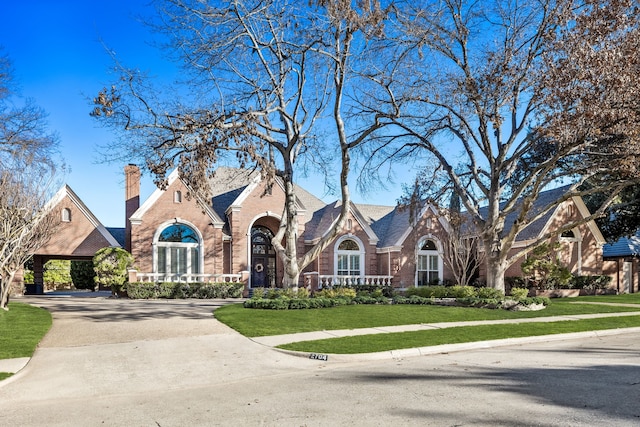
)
(145, 290)
(519, 294)
(590, 282)
(111, 266)
(458, 291)
(489, 293)
(83, 275)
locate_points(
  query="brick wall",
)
(166, 210)
(75, 238)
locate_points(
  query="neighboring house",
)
(622, 262)
(174, 235)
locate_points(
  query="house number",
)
(319, 356)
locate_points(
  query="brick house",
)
(175, 236)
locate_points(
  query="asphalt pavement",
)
(125, 362)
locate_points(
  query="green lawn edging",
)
(456, 335)
(22, 327)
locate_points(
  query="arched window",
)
(178, 250)
(429, 263)
(66, 215)
(349, 255)
(570, 253)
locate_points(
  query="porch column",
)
(38, 275)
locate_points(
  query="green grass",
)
(4, 375)
(462, 334)
(255, 323)
(21, 329)
(622, 298)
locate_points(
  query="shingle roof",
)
(118, 233)
(392, 226)
(309, 202)
(534, 229)
(226, 185)
(626, 246)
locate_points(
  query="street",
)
(170, 363)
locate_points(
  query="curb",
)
(451, 348)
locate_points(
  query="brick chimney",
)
(132, 199)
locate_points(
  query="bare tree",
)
(26, 223)
(514, 97)
(27, 175)
(268, 80)
(462, 253)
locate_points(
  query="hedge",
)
(287, 299)
(147, 290)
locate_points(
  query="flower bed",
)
(465, 296)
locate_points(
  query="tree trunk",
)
(5, 290)
(496, 267)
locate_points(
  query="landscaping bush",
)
(145, 290)
(336, 293)
(590, 282)
(436, 291)
(489, 293)
(458, 291)
(111, 266)
(83, 275)
(519, 294)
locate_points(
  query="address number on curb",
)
(315, 356)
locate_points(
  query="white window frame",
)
(190, 262)
(577, 239)
(438, 253)
(359, 253)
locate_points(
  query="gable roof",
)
(157, 193)
(67, 192)
(229, 186)
(540, 226)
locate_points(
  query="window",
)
(348, 258)
(429, 263)
(178, 250)
(66, 215)
(177, 197)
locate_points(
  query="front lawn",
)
(455, 335)
(256, 322)
(21, 329)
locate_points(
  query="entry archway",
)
(263, 258)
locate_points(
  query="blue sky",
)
(59, 59)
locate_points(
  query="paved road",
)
(169, 363)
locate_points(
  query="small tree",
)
(461, 254)
(57, 273)
(111, 266)
(83, 275)
(543, 269)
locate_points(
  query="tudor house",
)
(175, 236)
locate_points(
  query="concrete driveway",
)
(170, 363)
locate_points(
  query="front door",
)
(263, 258)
